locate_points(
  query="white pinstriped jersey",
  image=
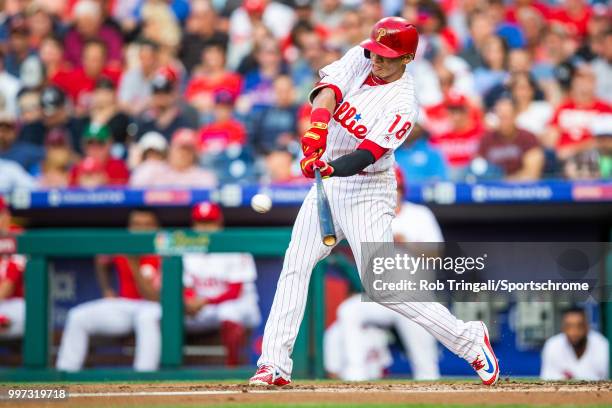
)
(383, 114)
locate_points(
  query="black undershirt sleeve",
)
(352, 163)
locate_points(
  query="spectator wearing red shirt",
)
(88, 25)
(456, 129)
(516, 151)
(570, 130)
(225, 130)
(133, 308)
(97, 146)
(211, 77)
(574, 15)
(12, 305)
(80, 82)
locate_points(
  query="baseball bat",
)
(326, 222)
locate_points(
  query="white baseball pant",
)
(14, 309)
(109, 317)
(363, 207)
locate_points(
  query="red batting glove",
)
(315, 138)
(311, 162)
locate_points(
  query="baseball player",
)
(12, 305)
(132, 309)
(219, 292)
(364, 107)
(353, 351)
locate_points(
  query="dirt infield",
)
(185, 394)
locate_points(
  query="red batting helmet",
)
(206, 212)
(392, 37)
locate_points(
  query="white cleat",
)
(486, 364)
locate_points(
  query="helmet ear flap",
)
(366, 53)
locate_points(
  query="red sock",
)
(232, 335)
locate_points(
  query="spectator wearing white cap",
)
(181, 168)
(152, 149)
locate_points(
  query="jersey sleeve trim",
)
(322, 85)
(376, 150)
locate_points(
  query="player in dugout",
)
(12, 267)
(130, 309)
(219, 292)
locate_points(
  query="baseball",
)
(261, 203)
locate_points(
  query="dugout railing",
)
(44, 245)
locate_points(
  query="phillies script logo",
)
(347, 117)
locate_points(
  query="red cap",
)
(399, 177)
(206, 212)
(254, 6)
(3, 204)
(455, 100)
(185, 137)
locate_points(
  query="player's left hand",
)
(308, 164)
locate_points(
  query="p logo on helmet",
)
(381, 33)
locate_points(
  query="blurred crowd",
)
(195, 93)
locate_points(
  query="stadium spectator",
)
(219, 291)
(30, 112)
(352, 30)
(160, 24)
(89, 25)
(533, 114)
(20, 59)
(455, 128)
(574, 15)
(570, 128)
(183, 169)
(258, 90)
(275, 125)
(311, 58)
(481, 29)
(119, 312)
(419, 159)
(602, 67)
(26, 154)
(508, 30)
(80, 82)
(224, 131)
(201, 30)
(14, 176)
(98, 161)
(135, 86)
(104, 110)
(211, 77)
(41, 24)
(165, 114)
(55, 114)
(281, 168)
(9, 87)
(577, 353)
(244, 21)
(12, 268)
(59, 158)
(494, 69)
(329, 13)
(152, 149)
(516, 151)
(51, 53)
